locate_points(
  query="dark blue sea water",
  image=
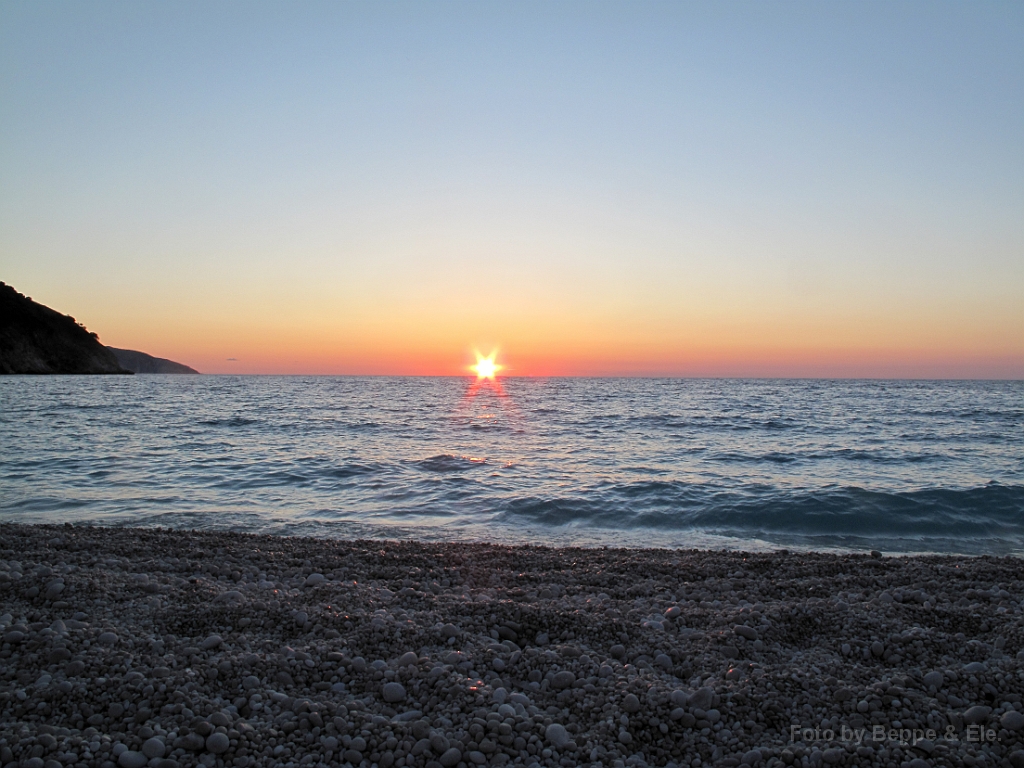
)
(893, 465)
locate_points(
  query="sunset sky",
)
(752, 189)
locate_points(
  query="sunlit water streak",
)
(900, 466)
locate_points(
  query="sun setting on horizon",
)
(486, 367)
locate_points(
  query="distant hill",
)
(140, 362)
(37, 340)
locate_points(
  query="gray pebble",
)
(394, 692)
(563, 679)
(153, 748)
(131, 759)
(557, 735)
(218, 743)
(934, 680)
(1012, 720)
(451, 757)
(977, 714)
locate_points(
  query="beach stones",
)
(602, 683)
(451, 757)
(217, 743)
(1012, 720)
(438, 742)
(745, 632)
(131, 759)
(702, 698)
(314, 580)
(977, 714)
(230, 598)
(557, 735)
(753, 757)
(934, 680)
(563, 679)
(153, 747)
(191, 742)
(394, 692)
(107, 638)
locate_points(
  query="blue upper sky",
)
(702, 187)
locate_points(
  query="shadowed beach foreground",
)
(135, 647)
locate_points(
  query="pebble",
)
(131, 759)
(563, 679)
(934, 679)
(217, 743)
(977, 714)
(451, 758)
(153, 747)
(557, 735)
(394, 693)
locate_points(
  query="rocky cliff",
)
(36, 339)
(140, 362)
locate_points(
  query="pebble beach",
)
(168, 648)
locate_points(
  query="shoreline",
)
(134, 647)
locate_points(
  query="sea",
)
(751, 465)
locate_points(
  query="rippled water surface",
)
(895, 465)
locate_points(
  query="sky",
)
(589, 188)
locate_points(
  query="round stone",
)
(747, 633)
(702, 698)
(451, 757)
(977, 714)
(153, 748)
(213, 641)
(563, 679)
(107, 638)
(394, 692)
(630, 703)
(408, 659)
(1012, 720)
(557, 736)
(132, 759)
(934, 680)
(218, 743)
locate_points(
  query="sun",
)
(485, 367)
